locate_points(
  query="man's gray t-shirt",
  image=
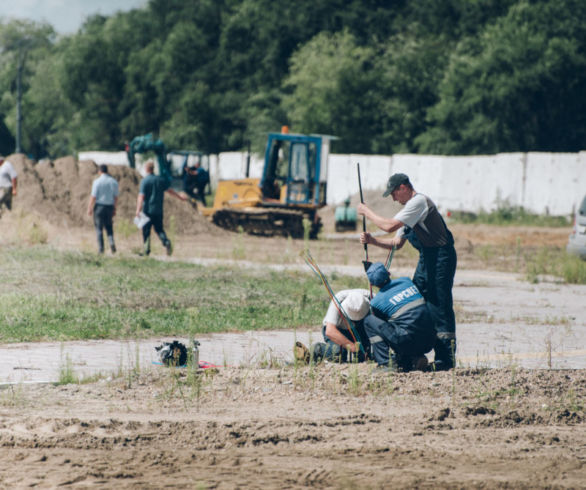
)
(421, 214)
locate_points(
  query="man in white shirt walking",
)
(102, 205)
(8, 183)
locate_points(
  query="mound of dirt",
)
(59, 192)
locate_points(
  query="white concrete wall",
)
(554, 182)
(232, 165)
(544, 183)
(466, 183)
(343, 175)
(540, 182)
(107, 157)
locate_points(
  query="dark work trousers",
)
(201, 196)
(155, 221)
(409, 336)
(333, 352)
(434, 277)
(6, 197)
(189, 185)
(103, 215)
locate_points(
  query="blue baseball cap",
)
(378, 275)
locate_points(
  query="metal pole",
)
(19, 101)
(363, 217)
(363, 223)
(248, 161)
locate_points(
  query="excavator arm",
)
(142, 144)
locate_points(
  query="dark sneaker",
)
(419, 363)
(113, 249)
(318, 352)
(440, 365)
(169, 247)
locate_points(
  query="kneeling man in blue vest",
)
(395, 328)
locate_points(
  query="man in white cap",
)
(338, 339)
(8, 183)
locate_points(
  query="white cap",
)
(356, 306)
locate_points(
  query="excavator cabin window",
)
(291, 164)
(301, 186)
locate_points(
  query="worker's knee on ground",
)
(317, 351)
(333, 352)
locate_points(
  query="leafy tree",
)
(331, 89)
(411, 70)
(49, 113)
(520, 87)
(449, 76)
(22, 45)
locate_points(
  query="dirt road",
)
(324, 427)
(268, 425)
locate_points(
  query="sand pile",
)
(59, 191)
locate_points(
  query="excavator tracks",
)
(268, 222)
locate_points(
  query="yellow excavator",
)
(285, 200)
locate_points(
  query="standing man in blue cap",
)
(421, 223)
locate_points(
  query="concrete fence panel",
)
(545, 183)
(343, 175)
(554, 182)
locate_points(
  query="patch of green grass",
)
(239, 251)
(66, 373)
(555, 262)
(509, 214)
(12, 396)
(52, 295)
(125, 228)
(31, 229)
(572, 269)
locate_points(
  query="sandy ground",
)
(272, 425)
(326, 427)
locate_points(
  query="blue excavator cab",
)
(295, 170)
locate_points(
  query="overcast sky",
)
(66, 16)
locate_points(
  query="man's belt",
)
(409, 306)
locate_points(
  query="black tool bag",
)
(172, 353)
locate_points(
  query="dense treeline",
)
(425, 76)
